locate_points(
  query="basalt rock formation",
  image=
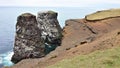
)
(36, 37)
(50, 29)
(28, 43)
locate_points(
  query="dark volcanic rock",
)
(50, 29)
(36, 38)
(28, 43)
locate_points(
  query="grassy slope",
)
(103, 14)
(99, 59)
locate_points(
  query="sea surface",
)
(8, 17)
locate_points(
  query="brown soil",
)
(80, 37)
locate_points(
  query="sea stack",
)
(51, 31)
(28, 43)
(35, 38)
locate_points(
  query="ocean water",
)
(8, 17)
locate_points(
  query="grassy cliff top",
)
(51, 11)
(26, 14)
(100, 59)
(103, 14)
(48, 11)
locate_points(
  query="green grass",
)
(103, 14)
(99, 59)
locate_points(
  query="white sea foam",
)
(6, 59)
(0, 60)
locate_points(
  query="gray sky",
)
(59, 3)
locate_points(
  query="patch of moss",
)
(27, 14)
(51, 11)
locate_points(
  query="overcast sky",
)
(60, 3)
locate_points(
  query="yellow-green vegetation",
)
(26, 14)
(103, 14)
(51, 11)
(99, 59)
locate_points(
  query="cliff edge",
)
(81, 36)
(99, 15)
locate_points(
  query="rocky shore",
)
(45, 41)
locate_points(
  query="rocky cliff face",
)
(50, 29)
(28, 43)
(35, 38)
(80, 36)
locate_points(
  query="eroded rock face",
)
(36, 38)
(51, 31)
(28, 43)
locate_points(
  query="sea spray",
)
(5, 59)
(0, 60)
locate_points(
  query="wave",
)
(5, 59)
(0, 60)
